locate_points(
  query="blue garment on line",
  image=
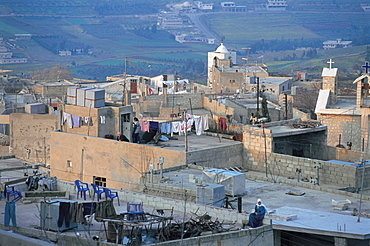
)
(166, 128)
(153, 125)
(10, 214)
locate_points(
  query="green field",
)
(111, 35)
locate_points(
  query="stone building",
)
(347, 118)
(226, 76)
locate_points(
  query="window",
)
(100, 181)
(232, 81)
(69, 163)
(125, 118)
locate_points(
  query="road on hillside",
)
(195, 18)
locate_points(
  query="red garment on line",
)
(223, 125)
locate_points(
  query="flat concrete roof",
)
(283, 131)
(195, 142)
(323, 223)
(315, 213)
(314, 209)
(13, 163)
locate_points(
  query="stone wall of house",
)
(83, 157)
(173, 100)
(347, 128)
(99, 127)
(216, 107)
(274, 164)
(218, 157)
(261, 156)
(30, 136)
(300, 114)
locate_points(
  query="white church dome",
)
(222, 49)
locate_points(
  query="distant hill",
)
(129, 7)
(101, 34)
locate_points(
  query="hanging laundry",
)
(102, 119)
(75, 121)
(144, 126)
(166, 128)
(223, 125)
(190, 123)
(67, 117)
(205, 122)
(153, 125)
(183, 126)
(199, 128)
(175, 126)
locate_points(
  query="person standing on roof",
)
(135, 134)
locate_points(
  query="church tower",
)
(329, 81)
(217, 59)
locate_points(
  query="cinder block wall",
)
(184, 100)
(348, 126)
(330, 173)
(221, 157)
(30, 135)
(260, 157)
(216, 107)
(121, 163)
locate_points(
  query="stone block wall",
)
(216, 107)
(30, 136)
(300, 114)
(348, 126)
(98, 128)
(82, 157)
(333, 153)
(217, 157)
(179, 99)
(284, 165)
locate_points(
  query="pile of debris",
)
(304, 124)
(193, 228)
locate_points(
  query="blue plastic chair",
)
(11, 194)
(82, 188)
(111, 195)
(8, 190)
(97, 190)
(14, 196)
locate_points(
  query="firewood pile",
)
(304, 124)
(193, 227)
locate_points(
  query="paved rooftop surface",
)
(330, 224)
(195, 142)
(314, 209)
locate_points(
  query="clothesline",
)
(170, 127)
(78, 121)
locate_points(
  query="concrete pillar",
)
(165, 99)
(277, 238)
(340, 241)
(127, 96)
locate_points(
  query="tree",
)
(265, 111)
(306, 101)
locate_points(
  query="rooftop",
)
(312, 207)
